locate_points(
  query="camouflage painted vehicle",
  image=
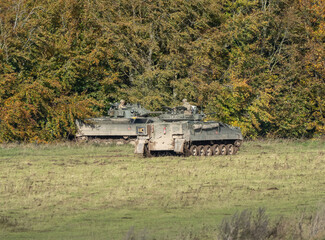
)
(119, 124)
(187, 134)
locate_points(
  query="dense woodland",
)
(256, 64)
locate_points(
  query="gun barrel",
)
(151, 112)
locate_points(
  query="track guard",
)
(139, 146)
(179, 145)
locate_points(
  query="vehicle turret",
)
(121, 122)
(181, 113)
(129, 111)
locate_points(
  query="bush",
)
(250, 224)
(246, 225)
(307, 226)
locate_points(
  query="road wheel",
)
(236, 149)
(230, 149)
(238, 143)
(215, 149)
(200, 150)
(208, 150)
(222, 149)
(193, 150)
(82, 139)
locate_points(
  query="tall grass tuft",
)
(246, 225)
(250, 225)
(133, 235)
(317, 224)
(307, 226)
(6, 222)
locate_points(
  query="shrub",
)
(246, 225)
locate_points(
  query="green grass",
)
(97, 191)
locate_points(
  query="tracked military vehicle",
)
(121, 123)
(183, 133)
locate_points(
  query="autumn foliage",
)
(257, 64)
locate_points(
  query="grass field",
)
(98, 191)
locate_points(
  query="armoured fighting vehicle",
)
(184, 133)
(121, 123)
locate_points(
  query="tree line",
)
(256, 64)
